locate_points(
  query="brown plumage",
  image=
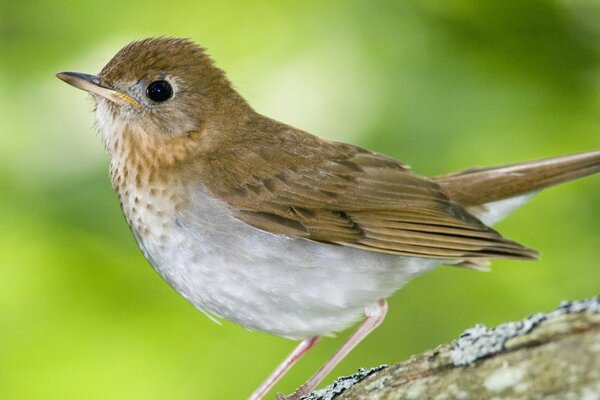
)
(283, 180)
(342, 194)
(476, 186)
(276, 229)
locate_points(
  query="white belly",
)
(273, 283)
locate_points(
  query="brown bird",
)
(273, 228)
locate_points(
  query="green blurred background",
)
(438, 85)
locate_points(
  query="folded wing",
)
(344, 195)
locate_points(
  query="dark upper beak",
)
(92, 84)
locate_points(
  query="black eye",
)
(159, 91)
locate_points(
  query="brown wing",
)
(341, 194)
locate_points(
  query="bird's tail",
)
(490, 194)
(479, 186)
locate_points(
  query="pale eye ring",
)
(159, 91)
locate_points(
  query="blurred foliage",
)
(439, 85)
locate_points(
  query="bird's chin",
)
(111, 119)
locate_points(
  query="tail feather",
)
(477, 186)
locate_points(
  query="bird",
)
(278, 230)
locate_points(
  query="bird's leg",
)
(375, 313)
(291, 359)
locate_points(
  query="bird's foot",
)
(299, 394)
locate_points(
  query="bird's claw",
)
(299, 394)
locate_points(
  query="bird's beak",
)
(91, 84)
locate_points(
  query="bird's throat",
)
(146, 183)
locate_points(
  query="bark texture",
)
(554, 355)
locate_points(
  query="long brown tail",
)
(476, 186)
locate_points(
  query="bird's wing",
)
(341, 194)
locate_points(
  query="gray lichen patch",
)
(479, 342)
(342, 384)
(551, 355)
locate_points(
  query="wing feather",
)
(341, 194)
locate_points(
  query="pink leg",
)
(375, 314)
(294, 356)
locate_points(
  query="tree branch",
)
(547, 355)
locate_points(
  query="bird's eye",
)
(159, 91)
